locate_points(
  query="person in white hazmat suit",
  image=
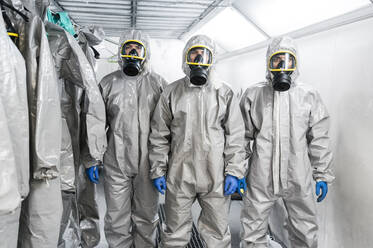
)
(197, 149)
(288, 146)
(130, 95)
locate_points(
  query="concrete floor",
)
(234, 220)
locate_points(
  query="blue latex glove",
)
(160, 184)
(323, 186)
(241, 186)
(92, 173)
(231, 185)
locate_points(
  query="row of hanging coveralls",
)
(52, 125)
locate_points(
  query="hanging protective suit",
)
(39, 221)
(197, 140)
(83, 138)
(14, 142)
(88, 37)
(289, 135)
(131, 199)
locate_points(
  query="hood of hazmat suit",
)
(290, 148)
(83, 136)
(40, 219)
(88, 37)
(14, 141)
(130, 102)
(277, 46)
(197, 139)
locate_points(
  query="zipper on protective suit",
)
(276, 158)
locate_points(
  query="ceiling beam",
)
(98, 19)
(163, 22)
(158, 2)
(141, 5)
(115, 28)
(251, 21)
(95, 5)
(97, 11)
(90, 14)
(133, 13)
(110, 13)
(174, 3)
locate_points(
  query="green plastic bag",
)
(62, 19)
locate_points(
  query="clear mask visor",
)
(282, 61)
(199, 55)
(133, 49)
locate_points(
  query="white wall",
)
(339, 63)
(167, 58)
